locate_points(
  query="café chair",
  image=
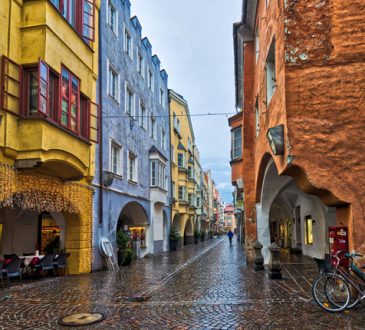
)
(61, 262)
(45, 264)
(12, 269)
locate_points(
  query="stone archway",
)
(188, 232)
(280, 196)
(27, 192)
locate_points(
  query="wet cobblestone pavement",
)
(200, 287)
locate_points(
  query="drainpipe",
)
(101, 188)
(171, 157)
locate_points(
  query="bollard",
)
(274, 262)
(259, 259)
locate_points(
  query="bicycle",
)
(339, 288)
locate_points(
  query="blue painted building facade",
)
(132, 181)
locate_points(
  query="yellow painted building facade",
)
(48, 126)
(184, 185)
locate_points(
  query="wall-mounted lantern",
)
(275, 135)
(108, 178)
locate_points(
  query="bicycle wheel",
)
(331, 292)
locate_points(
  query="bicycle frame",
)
(352, 276)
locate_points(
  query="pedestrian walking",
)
(230, 235)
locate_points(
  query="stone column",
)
(274, 262)
(259, 259)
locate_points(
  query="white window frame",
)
(140, 63)
(134, 178)
(143, 115)
(183, 199)
(183, 159)
(234, 140)
(162, 98)
(110, 67)
(128, 50)
(115, 29)
(150, 80)
(158, 174)
(163, 139)
(153, 128)
(115, 145)
(133, 110)
(270, 68)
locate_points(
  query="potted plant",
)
(122, 244)
(196, 236)
(202, 235)
(128, 255)
(174, 238)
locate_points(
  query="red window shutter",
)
(94, 122)
(43, 88)
(11, 86)
(88, 19)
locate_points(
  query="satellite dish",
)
(105, 247)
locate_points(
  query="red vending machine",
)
(338, 241)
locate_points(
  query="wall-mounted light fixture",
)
(108, 178)
(275, 135)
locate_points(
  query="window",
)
(191, 199)
(173, 188)
(163, 139)
(150, 80)
(162, 98)
(257, 115)
(190, 172)
(116, 158)
(182, 193)
(80, 14)
(257, 43)
(309, 230)
(180, 159)
(158, 174)
(143, 115)
(70, 100)
(178, 125)
(189, 145)
(112, 18)
(129, 101)
(128, 43)
(172, 154)
(237, 142)
(132, 167)
(113, 83)
(198, 202)
(140, 64)
(56, 97)
(153, 128)
(270, 74)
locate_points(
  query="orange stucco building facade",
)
(300, 93)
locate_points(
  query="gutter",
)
(101, 188)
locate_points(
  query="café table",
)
(27, 259)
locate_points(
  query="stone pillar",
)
(274, 262)
(259, 259)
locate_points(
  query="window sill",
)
(159, 188)
(113, 99)
(117, 176)
(236, 160)
(135, 183)
(111, 29)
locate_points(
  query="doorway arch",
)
(188, 232)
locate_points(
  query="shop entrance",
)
(49, 234)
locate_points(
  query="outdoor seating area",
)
(15, 270)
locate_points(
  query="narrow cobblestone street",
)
(200, 287)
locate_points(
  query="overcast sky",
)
(193, 40)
